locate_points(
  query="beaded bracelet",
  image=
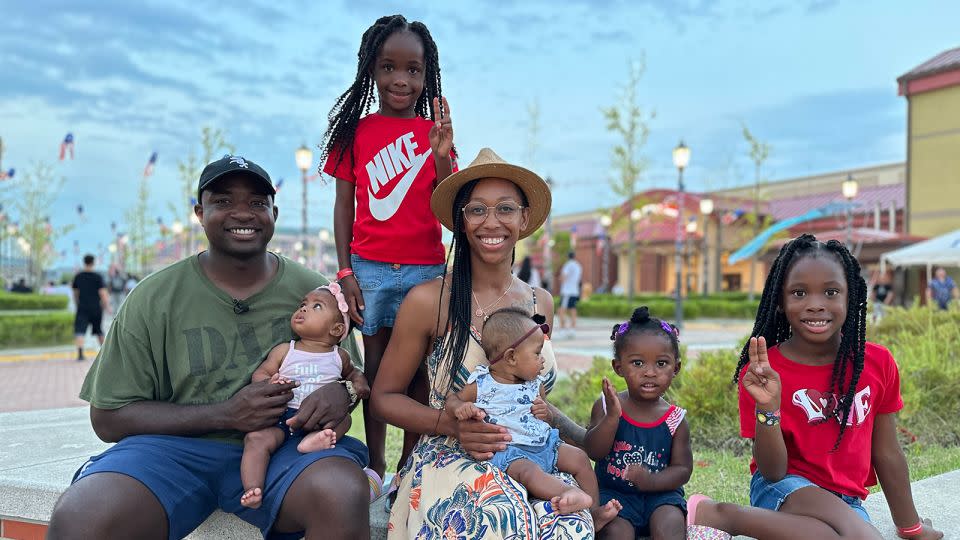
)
(910, 532)
(768, 418)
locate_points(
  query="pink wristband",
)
(344, 273)
(908, 532)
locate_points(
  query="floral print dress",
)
(445, 494)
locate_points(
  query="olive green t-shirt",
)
(177, 338)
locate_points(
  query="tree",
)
(212, 142)
(140, 250)
(37, 190)
(759, 152)
(631, 123)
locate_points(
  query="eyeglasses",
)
(507, 213)
(545, 328)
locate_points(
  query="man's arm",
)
(256, 406)
(104, 299)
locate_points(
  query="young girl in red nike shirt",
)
(386, 165)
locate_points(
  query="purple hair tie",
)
(623, 328)
(668, 328)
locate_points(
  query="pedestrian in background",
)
(90, 296)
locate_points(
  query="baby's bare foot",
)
(605, 514)
(571, 500)
(252, 498)
(318, 440)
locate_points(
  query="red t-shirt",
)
(394, 174)
(810, 426)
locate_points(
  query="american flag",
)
(66, 145)
(151, 163)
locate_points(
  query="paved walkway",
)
(50, 377)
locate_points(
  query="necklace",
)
(482, 311)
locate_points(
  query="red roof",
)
(866, 199)
(945, 61)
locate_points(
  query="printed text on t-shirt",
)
(393, 160)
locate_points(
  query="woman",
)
(528, 273)
(489, 206)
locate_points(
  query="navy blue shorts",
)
(384, 285)
(638, 507)
(193, 477)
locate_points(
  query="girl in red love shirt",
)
(820, 405)
(386, 165)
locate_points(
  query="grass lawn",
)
(724, 475)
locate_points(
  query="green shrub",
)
(662, 307)
(16, 301)
(35, 329)
(925, 344)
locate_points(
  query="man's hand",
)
(259, 405)
(542, 411)
(480, 439)
(324, 408)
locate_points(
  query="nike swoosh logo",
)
(384, 209)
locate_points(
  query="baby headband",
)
(337, 293)
(663, 324)
(544, 327)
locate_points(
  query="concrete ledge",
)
(40, 451)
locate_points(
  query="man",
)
(570, 275)
(942, 289)
(91, 299)
(172, 385)
(881, 294)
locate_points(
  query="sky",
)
(815, 79)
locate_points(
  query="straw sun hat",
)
(489, 165)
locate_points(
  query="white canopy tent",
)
(938, 251)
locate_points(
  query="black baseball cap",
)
(232, 164)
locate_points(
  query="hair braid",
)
(453, 345)
(358, 99)
(850, 356)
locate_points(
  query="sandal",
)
(701, 532)
(376, 484)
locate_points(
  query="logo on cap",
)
(239, 161)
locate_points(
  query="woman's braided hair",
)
(771, 322)
(357, 100)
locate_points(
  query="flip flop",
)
(376, 484)
(701, 532)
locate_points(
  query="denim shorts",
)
(192, 477)
(770, 495)
(384, 285)
(544, 456)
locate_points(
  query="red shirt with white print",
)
(810, 423)
(394, 174)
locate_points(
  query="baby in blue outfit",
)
(504, 393)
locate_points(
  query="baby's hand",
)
(362, 388)
(638, 475)
(279, 379)
(611, 399)
(542, 411)
(468, 411)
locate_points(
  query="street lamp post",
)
(304, 158)
(681, 157)
(706, 208)
(849, 189)
(605, 222)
